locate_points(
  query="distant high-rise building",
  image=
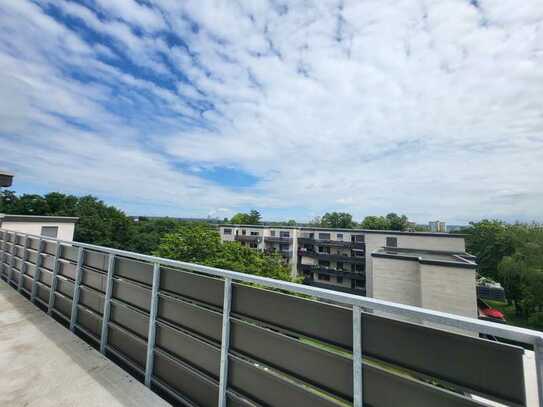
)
(437, 226)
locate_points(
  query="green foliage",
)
(147, 233)
(390, 222)
(340, 220)
(251, 218)
(199, 243)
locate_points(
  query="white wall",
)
(396, 280)
(65, 230)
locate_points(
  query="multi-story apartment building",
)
(351, 260)
(437, 226)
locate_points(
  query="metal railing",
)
(362, 307)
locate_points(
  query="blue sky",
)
(196, 108)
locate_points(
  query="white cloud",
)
(430, 108)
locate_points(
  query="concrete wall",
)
(397, 281)
(448, 289)
(65, 230)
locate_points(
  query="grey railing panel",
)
(315, 319)
(67, 269)
(19, 250)
(27, 283)
(131, 293)
(70, 253)
(63, 305)
(30, 270)
(129, 318)
(91, 299)
(65, 286)
(127, 344)
(47, 261)
(135, 270)
(96, 260)
(45, 277)
(383, 389)
(43, 292)
(189, 349)
(31, 256)
(17, 263)
(189, 316)
(93, 279)
(269, 389)
(49, 247)
(191, 285)
(489, 367)
(186, 381)
(90, 321)
(294, 357)
(33, 243)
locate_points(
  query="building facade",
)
(349, 260)
(437, 226)
(59, 227)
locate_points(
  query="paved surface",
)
(44, 364)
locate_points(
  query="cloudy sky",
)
(432, 108)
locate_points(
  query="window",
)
(339, 236)
(227, 231)
(284, 234)
(254, 233)
(49, 231)
(324, 236)
(358, 238)
(243, 232)
(323, 249)
(392, 242)
(253, 245)
(324, 263)
(283, 247)
(324, 277)
(339, 280)
(359, 283)
(358, 253)
(272, 233)
(339, 265)
(359, 268)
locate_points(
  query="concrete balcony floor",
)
(43, 364)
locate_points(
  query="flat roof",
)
(36, 218)
(380, 232)
(435, 257)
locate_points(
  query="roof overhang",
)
(6, 179)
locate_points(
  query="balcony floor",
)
(44, 364)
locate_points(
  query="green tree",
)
(291, 222)
(340, 220)
(396, 222)
(374, 223)
(251, 218)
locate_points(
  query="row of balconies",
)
(333, 271)
(332, 256)
(335, 243)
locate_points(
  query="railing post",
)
(36, 277)
(538, 350)
(152, 325)
(358, 395)
(225, 342)
(11, 258)
(77, 283)
(23, 265)
(2, 252)
(107, 303)
(53, 287)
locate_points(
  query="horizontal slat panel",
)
(47, 261)
(191, 317)
(63, 305)
(90, 321)
(43, 293)
(189, 349)
(91, 299)
(93, 279)
(65, 286)
(30, 270)
(67, 269)
(17, 263)
(130, 319)
(49, 247)
(191, 285)
(269, 389)
(384, 389)
(316, 366)
(127, 344)
(69, 253)
(19, 252)
(27, 283)
(134, 270)
(32, 256)
(490, 367)
(45, 276)
(33, 243)
(96, 260)
(315, 319)
(189, 383)
(132, 294)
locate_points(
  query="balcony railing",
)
(248, 238)
(284, 253)
(332, 243)
(358, 275)
(207, 336)
(332, 256)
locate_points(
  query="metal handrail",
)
(357, 302)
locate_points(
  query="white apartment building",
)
(437, 226)
(430, 270)
(59, 227)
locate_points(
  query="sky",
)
(432, 108)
